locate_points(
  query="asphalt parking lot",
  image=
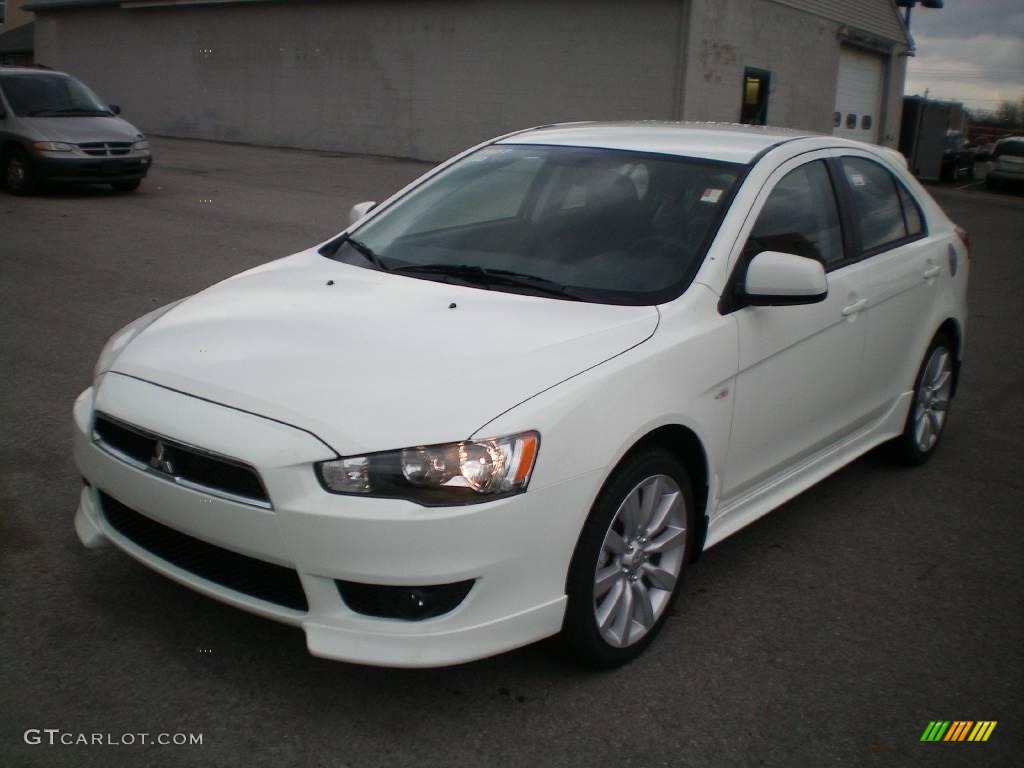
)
(829, 633)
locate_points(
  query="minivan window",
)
(46, 95)
(608, 226)
(876, 203)
(1009, 147)
(801, 217)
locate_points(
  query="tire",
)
(640, 581)
(126, 186)
(19, 174)
(929, 409)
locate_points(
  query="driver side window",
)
(801, 217)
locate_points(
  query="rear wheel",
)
(629, 561)
(933, 391)
(18, 173)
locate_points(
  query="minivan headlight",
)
(466, 472)
(53, 146)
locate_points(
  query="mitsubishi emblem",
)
(161, 460)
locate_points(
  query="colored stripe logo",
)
(959, 730)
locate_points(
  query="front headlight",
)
(138, 146)
(467, 472)
(53, 146)
(116, 343)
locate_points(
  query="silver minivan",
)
(53, 128)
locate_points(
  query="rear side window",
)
(800, 216)
(885, 212)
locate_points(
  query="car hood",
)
(75, 130)
(374, 361)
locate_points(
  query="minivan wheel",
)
(126, 186)
(629, 560)
(933, 390)
(18, 173)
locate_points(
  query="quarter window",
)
(885, 213)
(911, 211)
(800, 216)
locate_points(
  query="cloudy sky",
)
(971, 51)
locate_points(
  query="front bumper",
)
(516, 550)
(70, 168)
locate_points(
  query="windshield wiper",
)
(483, 276)
(368, 253)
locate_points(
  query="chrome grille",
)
(106, 148)
(180, 463)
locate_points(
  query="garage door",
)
(858, 95)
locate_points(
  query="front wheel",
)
(19, 174)
(933, 391)
(629, 560)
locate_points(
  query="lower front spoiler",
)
(395, 644)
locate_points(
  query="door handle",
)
(854, 308)
(931, 272)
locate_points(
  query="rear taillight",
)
(962, 234)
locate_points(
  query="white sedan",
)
(521, 395)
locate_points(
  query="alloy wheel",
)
(933, 399)
(640, 561)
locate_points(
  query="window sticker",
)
(711, 195)
(857, 179)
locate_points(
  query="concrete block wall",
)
(400, 78)
(799, 49)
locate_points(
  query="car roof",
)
(726, 142)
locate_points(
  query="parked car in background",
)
(54, 129)
(983, 152)
(957, 158)
(521, 395)
(1007, 164)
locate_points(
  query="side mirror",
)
(114, 108)
(783, 279)
(359, 210)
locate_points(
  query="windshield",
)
(596, 225)
(36, 95)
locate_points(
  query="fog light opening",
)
(414, 603)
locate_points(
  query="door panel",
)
(800, 367)
(903, 284)
(799, 381)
